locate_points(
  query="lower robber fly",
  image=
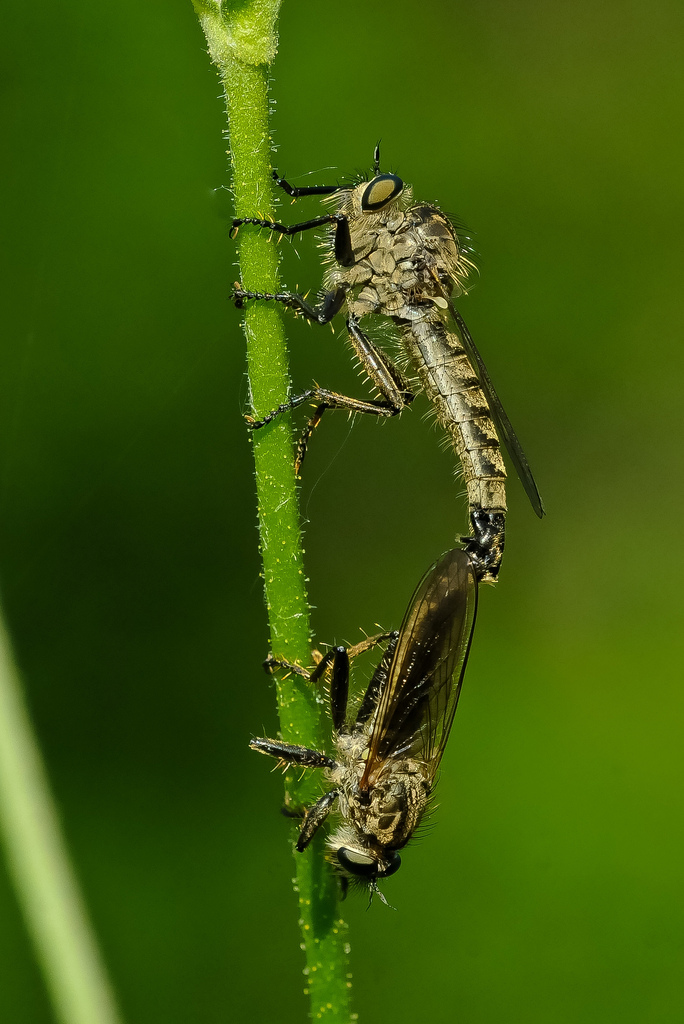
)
(386, 759)
(403, 260)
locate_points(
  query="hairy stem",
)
(242, 44)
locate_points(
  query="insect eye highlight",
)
(381, 191)
(357, 863)
(365, 866)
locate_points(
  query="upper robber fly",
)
(386, 758)
(403, 260)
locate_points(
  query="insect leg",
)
(288, 811)
(307, 190)
(329, 306)
(339, 684)
(286, 229)
(315, 816)
(339, 657)
(377, 683)
(292, 753)
(340, 402)
(386, 377)
(329, 400)
(271, 663)
(369, 643)
(380, 369)
(344, 253)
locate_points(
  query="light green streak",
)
(39, 865)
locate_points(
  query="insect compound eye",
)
(357, 863)
(394, 865)
(364, 866)
(380, 191)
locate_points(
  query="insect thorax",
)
(387, 813)
(405, 256)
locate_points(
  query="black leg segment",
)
(339, 689)
(344, 254)
(315, 817)
(329, 306)
(292, 753)
(306, 190)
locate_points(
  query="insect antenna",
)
(376, 159)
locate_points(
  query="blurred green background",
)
(550, 889)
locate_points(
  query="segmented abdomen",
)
(451, 384)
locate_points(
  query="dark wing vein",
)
(419, 700)
(503, 424)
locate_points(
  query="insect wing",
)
(418, 702)
(503, 424)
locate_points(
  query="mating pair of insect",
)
(401, 260)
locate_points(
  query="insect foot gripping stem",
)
(486, 546)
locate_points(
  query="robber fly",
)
(403, 260)
(386, 758)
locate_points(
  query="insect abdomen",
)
(450, 383)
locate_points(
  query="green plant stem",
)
(242, 45)
(38, 862)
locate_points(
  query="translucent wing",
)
(503, 424)
(418, 701)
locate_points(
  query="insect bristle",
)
(431, 416)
